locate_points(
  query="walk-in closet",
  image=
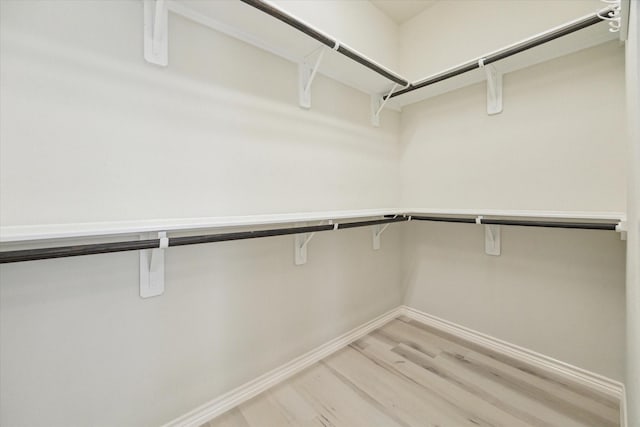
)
(338, 213)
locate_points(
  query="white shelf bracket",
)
(301, 241)
(492, 239)
(306, 73)
(156, 32)
(622, 229)
(152, 267)
(494, 88)
(378, 102)
(377, 232)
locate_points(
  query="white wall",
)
(451, 31)
(94, 133)
(90, 132)
(558, 292)
(79, 346)
(356, 23)
(633, 203)
(554, 147)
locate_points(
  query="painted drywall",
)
(558, 292)
(452, 32)
(90, 132)
(212, 137)
(633, 212)
(79, 346)
(358, 24)
(548, 150)
(94, 133)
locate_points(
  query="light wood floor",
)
(408, 374)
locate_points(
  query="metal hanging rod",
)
(574, 26)
(523, 223)
(326, 40)
(585, 22)
(133, 245)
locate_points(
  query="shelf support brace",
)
(494, 88)
(492, 239)
(156, 32)
(152, 268)
(306, 73)
(377, 232)
(301, 241)
(492, 242)
(378, 102)
(622, 229)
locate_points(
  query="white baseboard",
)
(589, 379)
(241, 394)
(583, 377)
(624, 420)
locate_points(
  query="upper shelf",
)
(33, 233)
(257, 28)
(263, 25)
(23, 233)
(583, 35)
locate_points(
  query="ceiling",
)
(402, 10)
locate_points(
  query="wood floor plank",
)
(261, 409)
(450, 391)
(409, 334)
(428, 363)
(589, 411)
(299, 411)
(337, 403)
(400, 332)
(272, 409)
(409, 374)
(496, 386)
(413, 404)
(231, 418)
(557, 396)
(525, 367)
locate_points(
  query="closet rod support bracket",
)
(377, 232)
(378, 102)
(622, 229)
(300, 243)
(492, 243)
(492, 240)
(494, 88)
(307, 70)
(152, 267)
(156, 32)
